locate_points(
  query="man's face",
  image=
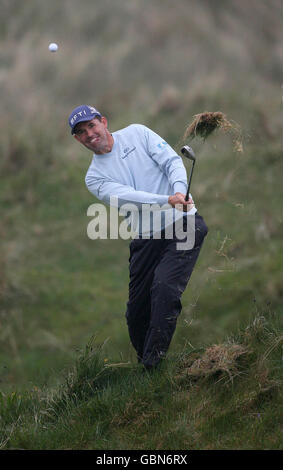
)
(94, 135)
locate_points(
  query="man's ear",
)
(76, 137)
(104, 121)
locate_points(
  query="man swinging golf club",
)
(137, 166)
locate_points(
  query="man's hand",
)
(179, 200)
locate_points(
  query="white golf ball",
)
(53, 47)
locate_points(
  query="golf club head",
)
(188, 152)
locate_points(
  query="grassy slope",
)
(61, 287)
(58, 288)
(224, 397)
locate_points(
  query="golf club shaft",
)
(188, 152)
(189, 183)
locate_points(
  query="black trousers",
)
(159, 274)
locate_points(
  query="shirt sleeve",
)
(104, 188)
(169, 162)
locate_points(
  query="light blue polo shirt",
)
(142, 170)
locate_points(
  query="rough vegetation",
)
(226, 396)
(162, 66)
(205, 123)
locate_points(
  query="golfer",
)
(137, 166)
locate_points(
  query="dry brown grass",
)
(204, 124)
(136, 413)
(220, 360)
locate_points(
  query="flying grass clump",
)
(204, 124)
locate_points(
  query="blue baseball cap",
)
(82, 113)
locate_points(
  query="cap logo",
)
(92, 109)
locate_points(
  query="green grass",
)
(226, 396)
(58, 288)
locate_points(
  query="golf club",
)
(189, 153)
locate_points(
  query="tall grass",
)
(157, 65)
(222, 397)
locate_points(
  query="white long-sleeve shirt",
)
(141, 169)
